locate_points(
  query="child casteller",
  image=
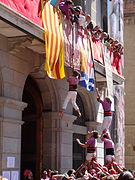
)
(106, 104)
(73, 81)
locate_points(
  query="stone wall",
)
(129, 95)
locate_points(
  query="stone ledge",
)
(100, 69)
(11, 103)
(93, 124)
(12, 121)
(79, 129)
(54, 115)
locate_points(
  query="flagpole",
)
(73, 28)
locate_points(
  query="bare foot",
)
(78, 113)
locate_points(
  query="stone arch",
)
(50, 94)
(31, 141)
(88, 99)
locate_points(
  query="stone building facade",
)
(31, 133)
(129, 38)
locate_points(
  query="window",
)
(104, 15)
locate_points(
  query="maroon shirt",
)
(65, 10)
(73, 81)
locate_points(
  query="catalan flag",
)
(54, 41)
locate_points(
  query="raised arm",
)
(98, 96)
(81, 144)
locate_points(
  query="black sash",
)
(91, 149)
(110, 151)
(72, 87)
(107, 113)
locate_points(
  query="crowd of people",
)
(75, 15)
(90, 169)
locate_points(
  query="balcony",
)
(16, 28)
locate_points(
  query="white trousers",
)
(106, 122)
(90, 156)
(110, 158)
(71, 96)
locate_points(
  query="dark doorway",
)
(31, 137)
(78, 152)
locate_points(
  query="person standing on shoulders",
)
(72, 93)
(106, 104)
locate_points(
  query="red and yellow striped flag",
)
(54, 41)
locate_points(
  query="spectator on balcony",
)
(84, 20)
(75, 14)
(96, 28)
(90, 27)
(115, 42)
(81, 11)
(109, 43)
(65, 8)
(97, 35)
(120, 49)
(104, 36)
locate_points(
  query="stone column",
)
(58, 141)
(10, 134)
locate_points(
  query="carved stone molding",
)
(11, 103)
(16, 43)
(93, 125)
(5, 120)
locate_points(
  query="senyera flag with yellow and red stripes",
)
(54, 40)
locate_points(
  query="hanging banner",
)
(71, 48)
(115, 14)
(115, 19)
(119, 137)
(52, 21)
(109, 74)
(87, 67)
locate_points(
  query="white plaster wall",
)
(96, 11)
